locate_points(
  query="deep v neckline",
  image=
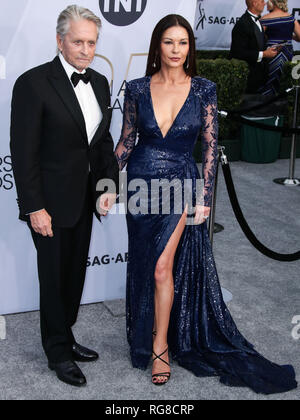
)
(178, 114)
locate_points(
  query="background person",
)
(249, 44)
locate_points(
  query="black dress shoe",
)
(69, 373)
(82, 354)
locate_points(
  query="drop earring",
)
(188, 62)
(154, 64)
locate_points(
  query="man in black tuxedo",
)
(61, 147)
(249, 44)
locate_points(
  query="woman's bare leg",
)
(164, 297)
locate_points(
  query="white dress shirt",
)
(257, 22)
(87, 101)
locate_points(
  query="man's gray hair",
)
(74, 13)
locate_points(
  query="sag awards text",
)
(6, 175)
(106, 260)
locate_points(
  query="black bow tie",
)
(257, 18)
(76, 77)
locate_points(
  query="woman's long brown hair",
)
(154, 53)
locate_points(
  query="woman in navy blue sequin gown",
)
(172, 282)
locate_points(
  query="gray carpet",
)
(265, 300)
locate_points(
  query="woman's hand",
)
(106, 202)
(201, 215)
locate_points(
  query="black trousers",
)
(62, 262)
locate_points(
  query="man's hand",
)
(271, 52)
(41, 223)
(106, 202)
(201, 215)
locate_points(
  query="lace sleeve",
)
(129, 131)
(209, 137)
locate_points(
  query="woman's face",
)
(174, 47)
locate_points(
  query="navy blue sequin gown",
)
(202, 334)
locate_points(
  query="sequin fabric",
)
(202, 334)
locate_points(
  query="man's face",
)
(259, 6)
(79, 45)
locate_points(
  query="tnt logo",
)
(296, 14)
(2, 67)
(122, 12)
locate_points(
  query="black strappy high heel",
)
(164, 374)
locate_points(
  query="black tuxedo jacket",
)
(51, 156)
(247, 42)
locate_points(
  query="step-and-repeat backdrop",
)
(27, 39)
(215, 20)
